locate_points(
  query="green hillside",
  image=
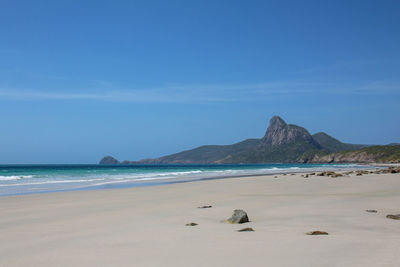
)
(210, 153)
(387, 153)
(281, 143)
(333, 145)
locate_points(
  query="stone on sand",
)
(238, 216)
(326, 173)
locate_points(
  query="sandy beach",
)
(146, 226)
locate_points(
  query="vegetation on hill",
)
(207, 154)
(378, 154)
(281, 143)
(387, 153)
(333, 145)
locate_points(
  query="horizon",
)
(178, 164)
(79, 81)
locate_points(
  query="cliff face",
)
(280, 133)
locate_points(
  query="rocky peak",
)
(280, 133)
(276, 123)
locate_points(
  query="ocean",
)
(28, 179)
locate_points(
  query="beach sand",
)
(146, 226)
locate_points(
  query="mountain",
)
(280, 133)
(282, 143)
(333, 145)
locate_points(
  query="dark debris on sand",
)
(393, 217)
(371, 211)
(247, 229)
(317, 233)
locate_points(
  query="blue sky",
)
(138, 79)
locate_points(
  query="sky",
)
(141, 79)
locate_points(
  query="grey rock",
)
(280, 133)
(330, 173)
(326, 173)
(389, 170)
(238, 216)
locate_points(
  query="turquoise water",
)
(25, 179)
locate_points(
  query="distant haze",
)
(138, 79)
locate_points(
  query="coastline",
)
(145, 226)
(161, 175)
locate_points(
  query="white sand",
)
(146, 226)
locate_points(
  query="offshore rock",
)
(108, 160)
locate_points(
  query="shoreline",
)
(146, 226)
(175, 180)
